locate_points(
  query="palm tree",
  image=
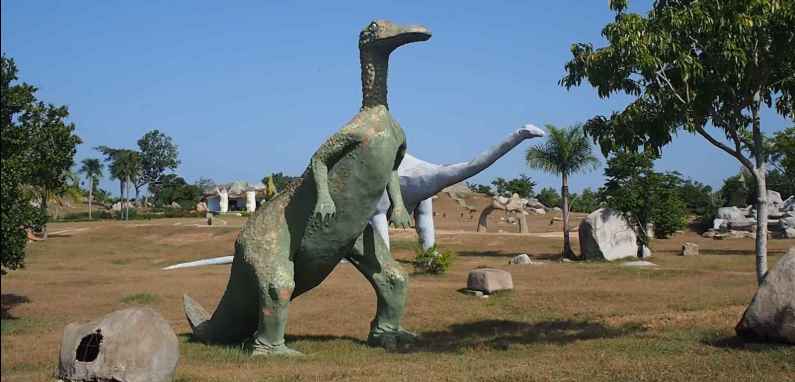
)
(92, 168)
(566, 152)
(125, 166)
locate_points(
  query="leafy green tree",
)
(781, 176)
(158, 154)
(548, 197)
(480, 188)
(18, 215)
(689, 64)
(523, 186)
(587, 201)
(280, 180)
(92, 169)
(643, 196)
(52, 145)
(565, 153)
(174, 188)
(735, 191)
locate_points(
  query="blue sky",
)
(248, 88)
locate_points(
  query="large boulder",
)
(732, 214)
(774, 201)
(129, 345)
(605, 235)
(771, 315)
(489, 280)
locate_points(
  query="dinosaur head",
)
(387, 36)
(531, 131)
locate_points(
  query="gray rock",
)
(771, 314)
(489, 280)
(787, 222)
(731, 214)
(521, 259)
(605, 235)
(689, 249)
(720, 224)
(774, 201)
(129, 345)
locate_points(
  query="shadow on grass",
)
(747, 344)
(9, 301)
(189, 338)
(323, 338)
(501, 334)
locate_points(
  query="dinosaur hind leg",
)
(372, 258)
(276, 283)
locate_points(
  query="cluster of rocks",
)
(737, 223)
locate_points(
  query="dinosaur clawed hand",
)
(325, 211)
(400, 218)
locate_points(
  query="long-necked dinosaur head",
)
(387, 36)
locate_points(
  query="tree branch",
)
(661, 75)
(737, 154)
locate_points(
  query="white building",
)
(235, 196)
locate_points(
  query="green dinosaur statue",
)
(295, 241)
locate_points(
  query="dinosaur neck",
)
(449, 175)
(375, 65)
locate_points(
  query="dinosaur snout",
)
(532, 131)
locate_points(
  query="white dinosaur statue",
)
(419, 181)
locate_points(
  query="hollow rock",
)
(130, 345)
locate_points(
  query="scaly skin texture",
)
(289, 246)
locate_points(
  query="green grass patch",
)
(17, 325)
(140, 299)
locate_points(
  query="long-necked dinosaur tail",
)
(197, 317)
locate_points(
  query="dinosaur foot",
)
(260, 349)
(399, 339)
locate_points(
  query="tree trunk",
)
(44, 198)
(761, 190)
(761, 225)
(121, 198)
(90, 195)
(127, 201)
(564, 193)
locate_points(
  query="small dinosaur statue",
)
(290, 245)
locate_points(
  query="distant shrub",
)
(83, 216)
(432, 260)
(182, 213)
(140, 299)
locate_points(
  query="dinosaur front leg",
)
(423, 218)
(372, 258)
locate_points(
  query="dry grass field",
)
(563, 321)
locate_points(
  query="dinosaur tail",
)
(198, 318)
